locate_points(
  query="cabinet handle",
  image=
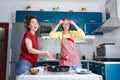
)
(93, 21)
(85, 28)
(96, 66)
(45, 64)
(46, 20)
(91, 64)
(103, 71)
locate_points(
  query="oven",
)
(108, 51)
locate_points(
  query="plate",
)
(83, 72)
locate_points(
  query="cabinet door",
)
(92, 67)
(84, 65)
(20, 15)
(112, 71)
(47, 17)
(92, 17)
(90, 27)
(47, 63)
(98, 68)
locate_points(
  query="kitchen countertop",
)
(105, 62)
(70, 75)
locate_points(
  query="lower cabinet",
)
(42, 63)
(97, 68)
(84, 64)
(109, 71)
(112, 71)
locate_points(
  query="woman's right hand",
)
(49, 55)
(60, 22)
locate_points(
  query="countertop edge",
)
(56, 60)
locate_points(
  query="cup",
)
(41, 68)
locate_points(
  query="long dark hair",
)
(28, 18)
(68, 20)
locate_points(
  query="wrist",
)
(58, 24)
(74, 24)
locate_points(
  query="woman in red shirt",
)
(29, 47)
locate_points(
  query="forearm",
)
(81, 32)
(76, 27)
(35, 51)
(55, 28)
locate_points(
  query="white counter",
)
(105, 62)
(71, 75)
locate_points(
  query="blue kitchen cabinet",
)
(88, 21)
(89, 28)
(46, 16)
(98, 69)
(42, 63)
(92, 20)
(41, 16)
(92, 17)
(20, 15)
(112, 71)
(109, 71)
(75, 16)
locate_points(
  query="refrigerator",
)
(17, 34)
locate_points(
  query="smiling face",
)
(33, 25)
(66, 24)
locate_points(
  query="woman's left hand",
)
(72, 22)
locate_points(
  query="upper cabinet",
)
(88, 21)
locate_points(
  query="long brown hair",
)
(68, 20)
(28, 18)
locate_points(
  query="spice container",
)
(83, 57)
(93, 55)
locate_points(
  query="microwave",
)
(108, 50)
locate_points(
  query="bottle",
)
(83, 57)
(93, 55)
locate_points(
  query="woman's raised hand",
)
(60, 22)
(72, 22)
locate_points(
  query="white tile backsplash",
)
(87, 49)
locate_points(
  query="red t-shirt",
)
(25, 55)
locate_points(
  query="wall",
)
(90, 46)
(8, 8)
